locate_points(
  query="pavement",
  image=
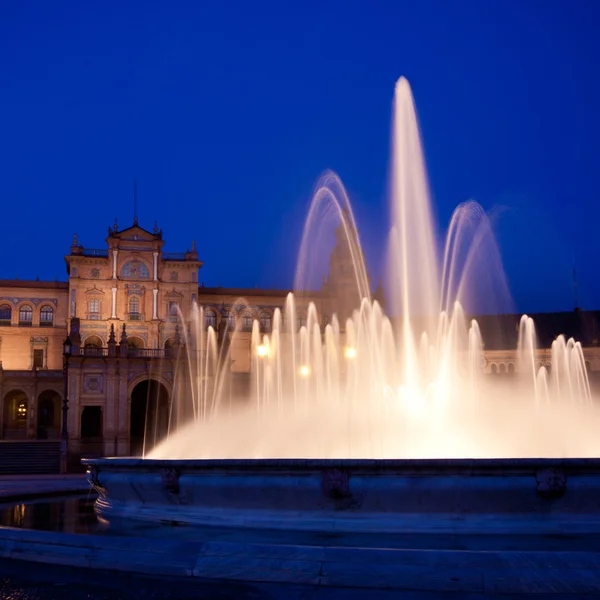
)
(27, 487)
(18, 581)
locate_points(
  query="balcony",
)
(93, 351)
(173, 255)
(5, 323)
(135, 317)
(146, 353)
(25, 323)
(101, 253)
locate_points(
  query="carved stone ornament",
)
(92, 476)
(551, 483)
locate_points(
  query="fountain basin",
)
(540, 496)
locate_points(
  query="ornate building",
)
(121, 307)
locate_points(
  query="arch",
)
(210, 318)
(494, 369)
(48, 415)
(148, 415)
(93, 341)
(511, 368)
(265, 319)
(5, 314)
(502, 369)
(15, 408)
(135, 269)
(135, 342)
(170, 342)
(46, 316)
(25, 314)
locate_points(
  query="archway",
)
(48, 415)
(148, 417)
(93, 341)
(16, 414)
(135, 342)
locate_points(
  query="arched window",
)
(135, 269)
(231, 320)
(511, 368)
(93, 341)
(494, 369)
(5, 314)
(25, 315)
(210, 319)
(265, 321)
(247, 320)
(46, 316)
(134, 308)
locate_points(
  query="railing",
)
(173, 255)
(135, 317)
(25, 323)
(93, 316)
(5, 323)
(95, 252)
(146, 352)
(93, 351)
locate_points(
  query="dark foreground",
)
(26, 581)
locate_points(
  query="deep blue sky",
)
(227, 112)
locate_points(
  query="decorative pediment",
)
(173, 294)
(136, 234)
(95, 291)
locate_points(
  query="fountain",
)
(369, 420)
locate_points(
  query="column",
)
(155, 304)
(114, 304)
(155, 254)
(115, 252)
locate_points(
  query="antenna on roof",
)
(135, 217)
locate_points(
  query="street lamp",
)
(64, 434)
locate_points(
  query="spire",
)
(193, 245)
(124, 335)
(111, 338)
(115, 226)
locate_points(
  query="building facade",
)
(121, 309)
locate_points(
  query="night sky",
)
(227, 112)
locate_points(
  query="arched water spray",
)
(405, 382)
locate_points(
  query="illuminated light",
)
(304, 371)
(350, 352)
(262, 351)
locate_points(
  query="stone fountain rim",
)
(265, 464)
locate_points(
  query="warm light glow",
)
(350, 352)
(262, 351)
(304, 371)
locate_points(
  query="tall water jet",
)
(406, 382)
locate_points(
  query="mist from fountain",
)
(377, 386)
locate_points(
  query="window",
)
(301, 321)
(38, 359)
(194, 276)
(231, 320)
(247, 321)
(265, 321)
(172, 310)
(135, 269)
(46, 316)
(134, 308)
(94, 308)
(25, 315)
(210, 319)
(5, 314)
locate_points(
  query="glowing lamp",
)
(262, 351)
(350, 352)
(304, 371)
